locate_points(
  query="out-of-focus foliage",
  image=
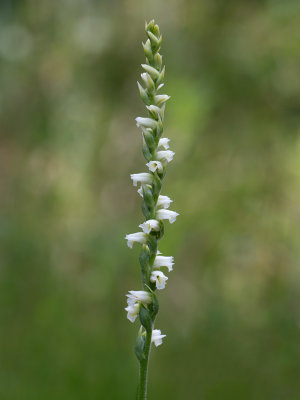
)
(68, 100)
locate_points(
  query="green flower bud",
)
(161, 76)
(143, 94)
(146, 319)
(155, 41)
(146, 211)
(139, 346)
(158, 61)
(156, 30)
(149, 139)
(150, 25)
(148, 198)
(152, 244)
(148, 82)
(151, 71)
(154, 306)
(148, 50)
(146, 151)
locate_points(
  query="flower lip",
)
(163, 201)
(137, 237)
(132, 311)
(159, 278)
(146, 122)
(164, 142)
(166, 214)
(150, 225)
(155, 166)
(165, 155)
(164, 261)
(135, 296)
(157, 337)
(143, 178)
(161, 98)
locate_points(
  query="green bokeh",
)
(68, 100)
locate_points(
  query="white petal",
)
(132, 311)
(146, 122)
(164, 142)
(155, 165)
(161, 98)
(150, 225)
(154, 109)
(157, 337)
(165, 155)
(138, 237)
(166, 214)
(163, 201)
(138, 295)
(143, 178)
(159, 278)
(162, 261)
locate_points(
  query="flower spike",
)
(144, 303)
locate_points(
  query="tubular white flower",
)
(159, 278)
(164, 261)
(157, 337)
(138, 237)
(146, 122)
(150, 225)
(166, 214)
(165, 155)
(164, 142)
(155, 165)
(132, 311)
(135, 296)
(155, 111)
(142, 178)
(161, 99)
(163, 201)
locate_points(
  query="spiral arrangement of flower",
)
(155, 207)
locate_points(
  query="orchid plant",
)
(155, 206)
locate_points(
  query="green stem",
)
(142, 394)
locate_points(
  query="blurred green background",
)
(68, 99)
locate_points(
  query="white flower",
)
(159, 278)
(132, 311)
(163, 261)
(138, 237)
(165, 155)
(163, 201)
(166, 214)
(150, 225)
(155, 165)
(154, 109)
(143, 178)
(146, 122)
(164, 142)
(135, 296)
(161, 98)
(157, 337)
